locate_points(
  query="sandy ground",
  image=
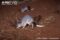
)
(45, 8)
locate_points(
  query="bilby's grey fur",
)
(27, 19)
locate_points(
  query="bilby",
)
(27, 19)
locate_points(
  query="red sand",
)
(9, 14)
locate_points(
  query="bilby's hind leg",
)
(32, 25)
(23, 26)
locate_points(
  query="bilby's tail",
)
(40, 25)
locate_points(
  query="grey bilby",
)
(27, 19)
